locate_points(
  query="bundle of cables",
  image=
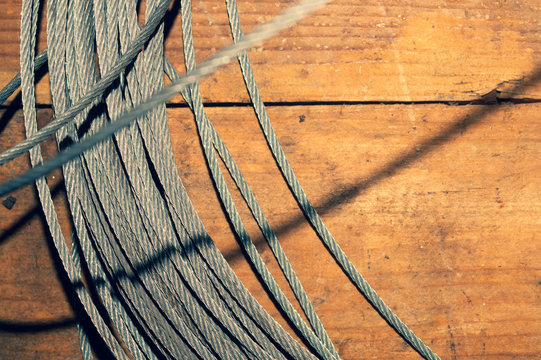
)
(128, 202)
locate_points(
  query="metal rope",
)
(305, 204)
(166, 290)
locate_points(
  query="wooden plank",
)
(438, 206)
(36, 320)
(368, 51)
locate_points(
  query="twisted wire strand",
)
(155, 216)
(108, 52)
(232, 299)
(219, 346)
(96, 91)
(15, 82)
(73, 71)
(201, 318)
(281, 21)
(127, 204)
(76, 184)
(47, 212)
(211, 139)
(126, 328)
(305, 204)
(28, 27)
(288, 342)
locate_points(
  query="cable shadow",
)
(417, 152)
(9, 111)
(35, 326)
(169, 19)
(16, 104)
(34, 211)
(334, 199)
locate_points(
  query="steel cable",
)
(166, 289)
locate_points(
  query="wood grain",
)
(437, 205)
(36, 320)
(421, 50)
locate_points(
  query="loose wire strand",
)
(223, 57)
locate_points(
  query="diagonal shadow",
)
(416, 153)
(31, 213)
(334, 199)
(35, 326)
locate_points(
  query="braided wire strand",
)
(305, 204)
(120, 213)
(28, 32)
(210, 138)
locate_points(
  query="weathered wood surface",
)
(374, 50)
(437, 205)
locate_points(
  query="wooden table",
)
(414, 127)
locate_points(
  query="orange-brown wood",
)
(420, 50)
(36, 320)
(438, 205)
